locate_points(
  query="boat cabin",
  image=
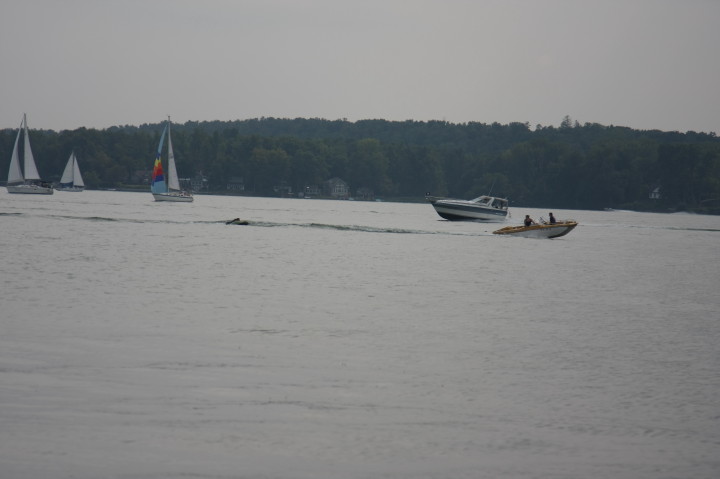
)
(491, 202)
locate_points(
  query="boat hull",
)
(173, 197)
(460, 211)
(29, 189)
(72, 189)
(539, 231)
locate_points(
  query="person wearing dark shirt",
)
(552, 219)
(528, 221)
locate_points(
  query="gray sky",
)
(646, 64)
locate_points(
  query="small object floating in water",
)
(237, 221)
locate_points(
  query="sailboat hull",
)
(72, 189)
(30, 189)
(174, 197)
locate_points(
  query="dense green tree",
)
(571, 166)
(267, 168)
(308, 164)
(369, 166)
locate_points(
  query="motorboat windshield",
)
(491, 202)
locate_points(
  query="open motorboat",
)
(541, 230)
(482, 208)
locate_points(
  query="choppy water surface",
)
(333, 339)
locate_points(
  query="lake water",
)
(341, 339)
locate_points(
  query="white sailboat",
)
(71, 178)
(170, 190)
(29, 182)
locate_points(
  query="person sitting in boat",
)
(552, 219)
(529, 221)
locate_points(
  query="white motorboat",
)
(482, 208)
(542, 230)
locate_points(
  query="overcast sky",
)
(646, 64)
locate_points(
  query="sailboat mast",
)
(170, 152)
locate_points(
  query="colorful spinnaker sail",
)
(158, 184)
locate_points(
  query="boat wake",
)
(366, 229)
(650, 227)
(265, 224)
(359, 228)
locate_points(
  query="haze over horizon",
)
(643, 64)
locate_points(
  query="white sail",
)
(31, 172)
(173, 182)
(14, 173)
(67, 176)
(71, 179)
(30, 183)
(77, 177)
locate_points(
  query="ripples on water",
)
(349, 339)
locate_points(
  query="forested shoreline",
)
(573, 166)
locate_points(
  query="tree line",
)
(572, 166)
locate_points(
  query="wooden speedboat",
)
(543, 230)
